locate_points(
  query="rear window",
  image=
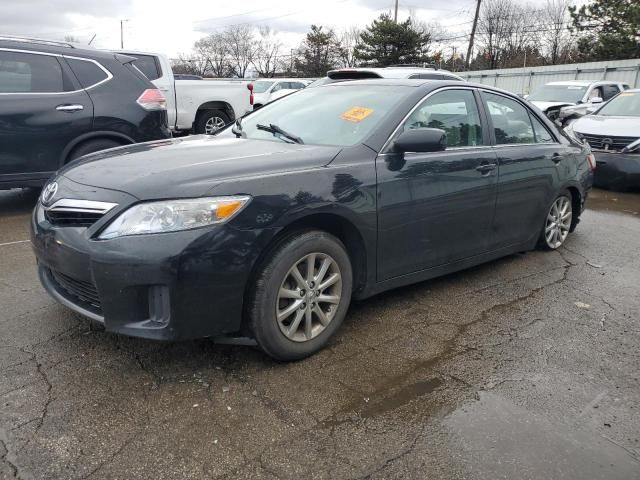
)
(87, 72)
(148, 65)
(351, 75)
(31, 73)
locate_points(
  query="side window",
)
(596, 92)
(296, 85)
(31, 73)
(609, 91)
(88, 73)
(542, 134)
(428, 76)
(147, 64)
(279, 86)
(455, 112)
(511, 122)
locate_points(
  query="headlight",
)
(174, 215)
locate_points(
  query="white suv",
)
(266, 90)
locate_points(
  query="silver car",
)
(613, 132)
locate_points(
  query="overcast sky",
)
(171, 27)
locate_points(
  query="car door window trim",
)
(529, 110)
(59, 56)
(415, 107)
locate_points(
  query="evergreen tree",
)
(386, 42)
(612, 29)
(320, 52)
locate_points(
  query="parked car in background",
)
(59, 102)
(398, 71)
(266, 90)
(198, 106)
(613, 132)
(185, 76)
(574, 98)
(269, 228)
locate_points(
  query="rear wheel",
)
(210, 121)
(301, 295)
(557, 223)
(92, 146)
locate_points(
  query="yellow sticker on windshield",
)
(356, 114)
(628, 94)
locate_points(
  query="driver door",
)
(436, 208)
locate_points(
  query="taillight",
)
(250, 87)
(152, 99)
(591, 161)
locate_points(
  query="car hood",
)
(544, 106)
(608, 125)
(191, 166)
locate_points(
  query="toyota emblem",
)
(49, 192)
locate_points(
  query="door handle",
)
(69, 108)
(485, 168)
(556, 157)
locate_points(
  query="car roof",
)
(52, 46)
(583, 83)
(280, 79)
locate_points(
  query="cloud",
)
(54, 18)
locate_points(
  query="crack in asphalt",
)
(4, 443)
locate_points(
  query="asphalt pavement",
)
(524, 368)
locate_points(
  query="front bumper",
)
(172, 286)
(618, 171)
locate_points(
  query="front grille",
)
(600, 142)
(78, 290)
(70, 212)
(70, 218)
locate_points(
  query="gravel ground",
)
(526, 367)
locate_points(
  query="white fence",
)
(524, 80)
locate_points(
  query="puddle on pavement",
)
(373, 407)
(607, 201)
(498, 439)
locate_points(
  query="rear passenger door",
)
(42, 108)
(530, 163)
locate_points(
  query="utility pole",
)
(395, 15)
(122, 33)
(473, 34)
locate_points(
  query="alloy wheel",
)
(213, 124)
(558, 222)
(309, 297)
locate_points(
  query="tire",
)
(210, 121)
(92, 146)
(281, 338)
(557, 222)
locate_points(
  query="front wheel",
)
(557, 223)
(301, 295)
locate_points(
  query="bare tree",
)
(502, 31)
(265, 59)
(348, 40)
(212, 55)
(190, 64)
(242, 46)
(556, 38)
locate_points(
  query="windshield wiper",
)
(277, 130)
(237, 128)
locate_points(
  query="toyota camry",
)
(266, 231)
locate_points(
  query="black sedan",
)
(267, 230)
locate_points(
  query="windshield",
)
(627, 104)
(261, 86)
(558, 93)
(340, 115)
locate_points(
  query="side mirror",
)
(421, 140)
(596, 100)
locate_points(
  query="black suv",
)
(59, 102)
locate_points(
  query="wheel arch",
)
(98, 134)
(216, 105)
(333, 223)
